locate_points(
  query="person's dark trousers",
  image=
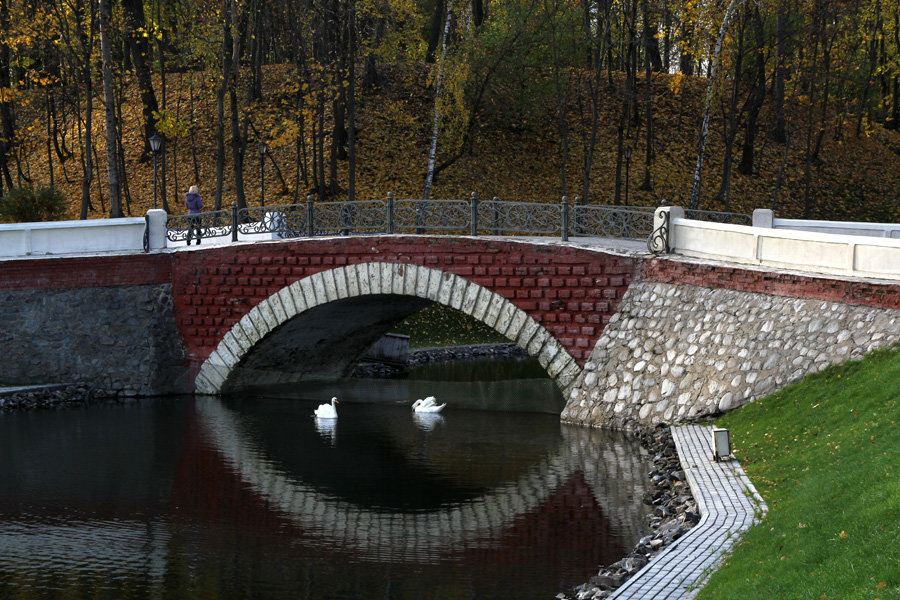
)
(193, 225)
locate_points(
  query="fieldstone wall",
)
(676, 352)
(119, 340)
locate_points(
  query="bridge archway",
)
(361, 302)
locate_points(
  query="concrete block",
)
(411, 280)
(422, 281)
(362, 279)
(560, 362)
(350, 274)
(527, 332)
(447, 281)
(307, 286)
(329, 285)
(340, 282)
(459, 292)
(274, 301)
(471, 297)
(387, 278)
(267, 312)
(536, 345)
(258, 321)
(287, 302)
(296, 292)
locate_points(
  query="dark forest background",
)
(717, 104)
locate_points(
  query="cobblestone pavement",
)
(729, 504)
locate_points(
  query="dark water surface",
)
(253, 498)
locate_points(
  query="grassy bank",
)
(825, 454)
(439, 325)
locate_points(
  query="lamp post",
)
(627, 171)
(262, 148)
(155, 145)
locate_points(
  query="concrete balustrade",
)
(94, 235)
(764, 244)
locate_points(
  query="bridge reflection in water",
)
(251, 498)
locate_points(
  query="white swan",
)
(428, 405)
(327, 411)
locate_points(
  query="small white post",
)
(157, 218)
(764, 217)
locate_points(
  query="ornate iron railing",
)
(629, 222)
(287, 221)
(496, 217)
(429, 216)
(346, 218)
(214, 223)
(448, 217)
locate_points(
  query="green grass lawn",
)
(824, 455)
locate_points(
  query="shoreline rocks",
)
(675, 513)
(65, 396)
(424, 356)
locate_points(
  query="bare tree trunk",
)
(432, 150)
(710, 88)
(778, 127)
(112, 160)
(351, 106)
(227, 62)
(7, 116)
(135, 28)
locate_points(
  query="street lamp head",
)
(262, 147)
(627, 152)
(155, 142)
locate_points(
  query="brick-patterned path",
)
(729, 504)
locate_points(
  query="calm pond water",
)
(252, 497)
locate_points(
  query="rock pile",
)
(424, 356)
(675, 512)
(53, 397)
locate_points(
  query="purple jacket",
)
(193, 202)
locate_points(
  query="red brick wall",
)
(85, 271)
(572, 292)
(664, 270)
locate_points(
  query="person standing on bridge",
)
(194, 205)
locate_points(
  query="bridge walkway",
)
(729, 505)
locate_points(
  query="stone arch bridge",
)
(627, 337)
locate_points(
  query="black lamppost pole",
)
(627, 170)
(262, 148)
(155, 145)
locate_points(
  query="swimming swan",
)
(428, 405)
(327, 411)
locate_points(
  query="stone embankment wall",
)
(102, 323)
(675, 352)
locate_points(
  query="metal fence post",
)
(310, 229)
(474, 214)
(495, 216)
(565, 218)
(390, 213)
(234, 222)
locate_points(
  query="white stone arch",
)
(381, 278)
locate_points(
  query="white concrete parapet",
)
(766, 218)
(94, 235)
(822, 253)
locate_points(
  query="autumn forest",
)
(724, 105)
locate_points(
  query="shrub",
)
(27, 205)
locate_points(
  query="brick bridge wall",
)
(572, 292)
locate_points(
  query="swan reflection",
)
(428, 421)
(327, 428)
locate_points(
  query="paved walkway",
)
(728, 503)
